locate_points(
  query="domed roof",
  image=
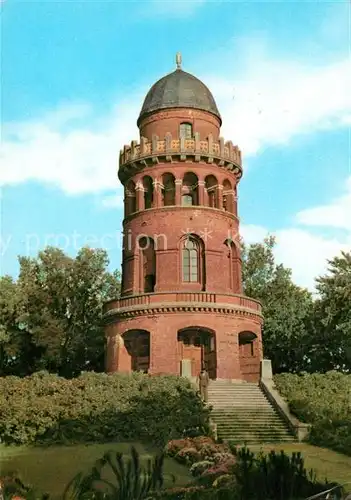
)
(179, 90)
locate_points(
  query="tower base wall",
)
(228, 343)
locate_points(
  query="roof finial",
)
(179, 60)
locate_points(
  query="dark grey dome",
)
(179, 90)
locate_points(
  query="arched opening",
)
(148, 263)
(228, 197)
(197, 349)
(233, 259)
(211, 190)
(168, 190)
(186, 130)
(193, 260)
(129, 198)
(190, 195)
(148, 191)
(137, 344)
(248, 355)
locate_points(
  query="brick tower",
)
(181, 303)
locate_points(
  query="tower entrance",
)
(198, 346)
(249, 356)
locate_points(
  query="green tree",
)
(286, 307)
(18, 354)
(331, 349)
(51, 317)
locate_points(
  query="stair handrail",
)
(339, 488)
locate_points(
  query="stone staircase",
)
(243, 414)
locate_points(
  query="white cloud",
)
(303, 250)
(337, 214)
(113, 201)
(307, 254)
(252, 234)
(274, 101)
(78, 159)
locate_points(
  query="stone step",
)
(262, 429)
(238, 433)
(243, 413)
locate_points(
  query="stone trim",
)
(299, 429)
(138, 310)
(135, 157)
(182, 207)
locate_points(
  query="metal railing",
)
(335, 493)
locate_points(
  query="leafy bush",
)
(191, 450)
(199, 467)
(45, 408)
(324, 401)
(274, 475)
(188, 456)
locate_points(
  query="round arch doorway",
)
(137, 343)
(198, 345)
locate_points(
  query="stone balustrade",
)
(185, 299)
(224, 153)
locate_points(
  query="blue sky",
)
(74, 75)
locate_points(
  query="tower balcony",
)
(168, 302)
(135, 157)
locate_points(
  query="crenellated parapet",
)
(136, 156)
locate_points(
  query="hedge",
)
(324, 401)
(97, 407)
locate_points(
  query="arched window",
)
(168, 190)
(148, 261)
(148, 192)
(234, 266)
(228, 197)
(190, 189)
(186, 130)
(211, 189)
(190, 254)
(129, 198)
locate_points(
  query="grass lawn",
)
(327, 464)
(50, 469)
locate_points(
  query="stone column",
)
(140, 202)
(201, 191)
(219, 195)
(157, 201)
(117, 356)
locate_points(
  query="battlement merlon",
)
(134, 157)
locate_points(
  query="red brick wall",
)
(161, 122)
(164, 354)
(167, 226)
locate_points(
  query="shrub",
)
(275, 475)
(188, 456)
(322, 400)
(97, 407)
(175, 445)
(208, 451)
(199, 467)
